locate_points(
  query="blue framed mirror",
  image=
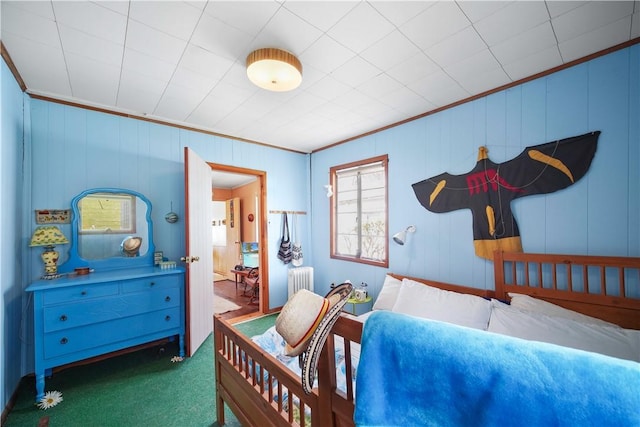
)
(111, 228)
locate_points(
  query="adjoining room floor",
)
(227, 290)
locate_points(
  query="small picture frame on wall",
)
(53, 216)
(157, 257)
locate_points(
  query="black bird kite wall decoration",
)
(489, 188)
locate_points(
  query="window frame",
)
(333, 172)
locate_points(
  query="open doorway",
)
(239, 236)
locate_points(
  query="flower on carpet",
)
(50, 399)
(175, 359)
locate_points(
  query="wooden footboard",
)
(336, 405)
(255, 399)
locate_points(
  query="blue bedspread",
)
(416, 372)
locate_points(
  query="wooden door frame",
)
(263, 305)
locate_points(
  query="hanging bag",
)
(297, 246)
(284, 252)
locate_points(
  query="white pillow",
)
(611, 341)
(388, 294)
(418, 299)
(528, 303)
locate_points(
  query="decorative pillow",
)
(603, 339)
(418, 299)
(388, 294)
(529, 303)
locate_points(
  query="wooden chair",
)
(252, 281)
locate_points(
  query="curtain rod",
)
(289, 212)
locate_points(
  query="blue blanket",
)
(416, 372)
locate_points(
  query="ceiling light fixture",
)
(274, 69)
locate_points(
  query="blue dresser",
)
(78, 317)
(109, 295)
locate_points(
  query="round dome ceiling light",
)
(274, 69)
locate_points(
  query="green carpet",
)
(143, 388)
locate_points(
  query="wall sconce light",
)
(401, 236)
(329, 189)
(49, 236)
(274, 69)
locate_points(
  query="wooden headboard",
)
(600, 286)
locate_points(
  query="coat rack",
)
(288, 212)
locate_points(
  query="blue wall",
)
(68, 150)
(13, 131)
(600, 214)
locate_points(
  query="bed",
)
(606, 288)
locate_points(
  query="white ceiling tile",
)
(176, 18)
(249, 17)
(635, 24)
(23, 23)
(590, 16)
(456, 48)
(193, 81)
(557, 8)
(352, 99)
(435, 24)
(477, 10)
(139, 92)
(413, 69)
(206, 63)
(399, 14)
(322, 15)
(390, 50)
(147, 65)
(89, 46)
(325, 55)
(405, 100)
(534, 63)
(154, 43)
(121, 7)
(510, 20)
(486, 80)
(469, 69)
(93, 80)
(438, 88)
(43, 69)
(601, 38)
(92, 18)
(379, 86)
(361, 20)
(40, 7)
(286, 31)
(328, 88)
(211, 110)
(220, 38)
(355, 71)
(528, 43)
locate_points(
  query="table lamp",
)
(49, 236)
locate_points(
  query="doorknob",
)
(189, 259)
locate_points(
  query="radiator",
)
(300, 278)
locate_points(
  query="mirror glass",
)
(111, 228)
(107, 222)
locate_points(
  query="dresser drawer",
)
(66, 316)
(79, 293)
(151, 283)
(73, 340)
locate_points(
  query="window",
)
(103, 213)
(359, 229)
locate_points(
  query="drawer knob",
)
(83, 293)
(167, 299)
(63, 318)
(64, 340)
(152, 284)
(167, 318)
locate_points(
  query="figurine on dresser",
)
(108, 295)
